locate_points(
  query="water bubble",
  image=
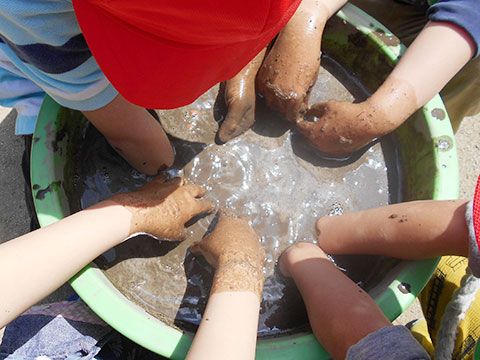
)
(336, 209)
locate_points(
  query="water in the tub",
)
(270, 175)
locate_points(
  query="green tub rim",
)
(132, 321)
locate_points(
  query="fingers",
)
(228, 128)
(305, 126)
(224, 214)
(195, 248)
(161, 184)
(182, 235)
(318, 110)
(205, 206)
(194, 190)
(313, 132)
(240, 98)
(226, 219)
(316, 115)
(161, 178)
(202, 206)
(345, 234)
(241, 110)
(235, 125)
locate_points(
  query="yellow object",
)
(435, 297)
(419, 331)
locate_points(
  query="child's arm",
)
(410, 230)
(136, 135)
(35, 264)
(340, 313)
(229, 325)
(437, 54)
(290, 68)
(343, 317)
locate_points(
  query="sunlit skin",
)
(39, 262)
(290, 69)
(135, 134)
(229, 324)
(339, 128)
(240, 98)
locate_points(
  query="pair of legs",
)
(134, 133)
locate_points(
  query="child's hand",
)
(162, 208)
(233, 248)
(290, 69)
(240, 98)
(232, 241)
(339, 128)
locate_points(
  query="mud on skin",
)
(240, 97)
(246, 175)
(172, 203)
(339, 128)
(290, 69)
(234, 249)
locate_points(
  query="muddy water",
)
(269, 174)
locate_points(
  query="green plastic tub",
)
(430, 171)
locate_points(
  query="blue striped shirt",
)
(41, 41)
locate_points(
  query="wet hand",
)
(340, 128)
(233, 248)
(240, 98)
(232, 241)
(290, 69)
(240, 117)
(162, 208)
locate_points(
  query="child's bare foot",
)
(135, 134)
(162, 208)
(234, 249)
(291, 67)
(339, 128)
(240, 97)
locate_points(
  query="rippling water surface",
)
(269, 174)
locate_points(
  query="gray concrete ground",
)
(14, 218)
